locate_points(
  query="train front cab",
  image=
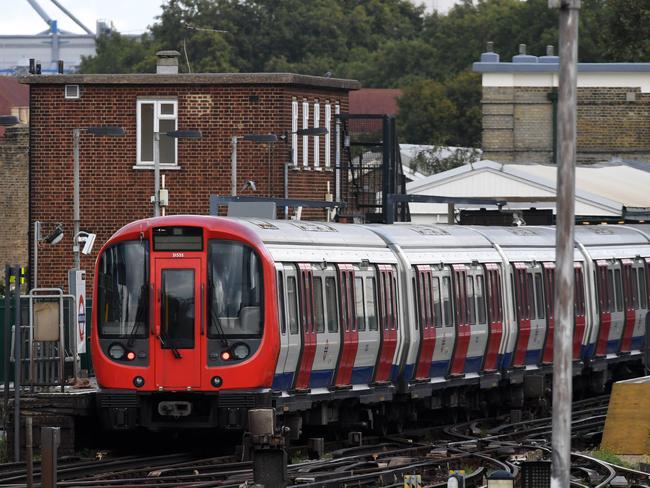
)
(184, 336)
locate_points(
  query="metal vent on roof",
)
(72, 91)
(429, 231)
(314, 227)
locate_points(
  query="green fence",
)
(86, 362)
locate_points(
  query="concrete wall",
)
(14, 193)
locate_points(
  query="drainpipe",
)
(552, 96)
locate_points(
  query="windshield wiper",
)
(214, 319)
(166, 342)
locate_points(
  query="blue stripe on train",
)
(282, 381)
(473, 365)
(361, 375)
(439, 368)
(321, 378)
(504, 360)
(637, 342)
(588, 351)
(409, 371)
(533, 357)
(612, 346)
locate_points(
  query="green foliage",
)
(382, 43)
(609, 457)
(439, 159)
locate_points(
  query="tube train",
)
(198, 319)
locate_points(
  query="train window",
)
(539, 292)
(123, 294)
(643, 302)
(292, 298)
(177, 308)
(416, 295)
(619, 290)
(281, 313)
(446, 300)
(530, 295)
(549, 275)
(319, 310)
(499, 298)
(611, 305)
(330, 300)
(437, 311)
(393, 294)
(480, 300)
(427, 305)
(236, 289)
(635, 289)
(358, 300)
(469, 299)
(344, 301)
(389, 303)
(371, 303)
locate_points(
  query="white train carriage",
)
(617, 262)
(339, 307)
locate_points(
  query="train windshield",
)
(122, 290)
(235, 290)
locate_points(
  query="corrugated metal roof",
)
(601, 189)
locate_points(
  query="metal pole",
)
(7, 339)
(233, 168)
(17, 364)
(286, 189)
(37, 238)
(156, 174)
(337, 158)
(50, 439)
(76, 135)
(29, 451)
(562, 367)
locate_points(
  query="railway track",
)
(478, 446)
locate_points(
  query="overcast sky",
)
(128, 16)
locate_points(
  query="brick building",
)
(117, 173)
(14, 194)
(520, 107)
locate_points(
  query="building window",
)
(157, 116)
(294, 130)
(328, 128)
(305, 139)
(316, 138)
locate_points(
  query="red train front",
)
(185, 330)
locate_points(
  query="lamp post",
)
(108, 131)
(176, 134)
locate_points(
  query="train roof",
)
(508, 237)
(610, 235)
(411, 236)
(299, 232)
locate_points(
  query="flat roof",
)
(193, 79)
(535, 67)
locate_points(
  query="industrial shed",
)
(605, 192)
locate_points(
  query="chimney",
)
(167, 62)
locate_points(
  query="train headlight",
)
(240, 351)
(138, 381)
(216, 381)
(116, 351)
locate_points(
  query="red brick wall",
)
(113, 193)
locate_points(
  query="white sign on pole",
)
(78, 288)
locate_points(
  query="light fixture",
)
(55, 236)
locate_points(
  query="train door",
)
(388, 314)
(495, 316)
(349, 335)
(365, 296)
(425, 323)
(477, 318)
(630, 303)
(289, 330)
(639, 327)
(522, 309)
(444, 321)
(179, 322)
(535, 287)
(580, 307)
(549, 290)
(308, 332)
(327, 338)
(463, 328)
(605, 305)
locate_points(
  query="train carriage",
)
(200, 318)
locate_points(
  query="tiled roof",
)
(375, 101)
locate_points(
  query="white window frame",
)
(157, 103)
(328, 139)
(294, 135)
(316, 138)
(305, 139)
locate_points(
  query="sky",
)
(128, 16)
